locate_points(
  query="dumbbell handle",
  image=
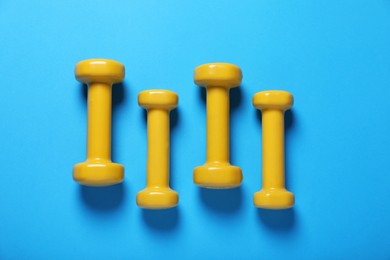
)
(99, 121)
(158, 148)
(217, 124)
(273, 148)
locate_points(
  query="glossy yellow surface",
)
(98, 169)
(273, 104)
(158, 194)
(217, 172)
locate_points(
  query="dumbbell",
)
(217, 172)
(158, 194)
(273, 104)
(98, 169)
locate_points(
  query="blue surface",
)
(334, 56)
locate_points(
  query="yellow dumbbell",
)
(98, 170)
(157, 194)
(217, 172)
(273, 104)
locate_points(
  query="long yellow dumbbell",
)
(217, 172)
(157, 194)
(98, 170)
(273, 104)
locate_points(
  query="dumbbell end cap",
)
(158, 98)
(273, 99)
(98, 173)
(273, 199)
(157, 198)
(99, 71)
(218, 75)
(218, 176)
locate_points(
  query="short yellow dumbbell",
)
(217, 172)
(98, 170)
(273, 104)
(157, 194)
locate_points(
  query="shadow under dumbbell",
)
(174, 122)
(224, 201)
(118, 97)
(235, 97)
(277, 220)
(289, 132)
(235, 103)
(288, 119)
(164, 220)
(84, 92)
(103, 199)
(202, 93)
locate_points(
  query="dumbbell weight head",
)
(99, 70)
(273, 99)
(218, 75)
(98, 173)
(159, 99)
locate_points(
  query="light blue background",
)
(332, 55)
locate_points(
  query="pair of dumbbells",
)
(98, 169)
(217, 173)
